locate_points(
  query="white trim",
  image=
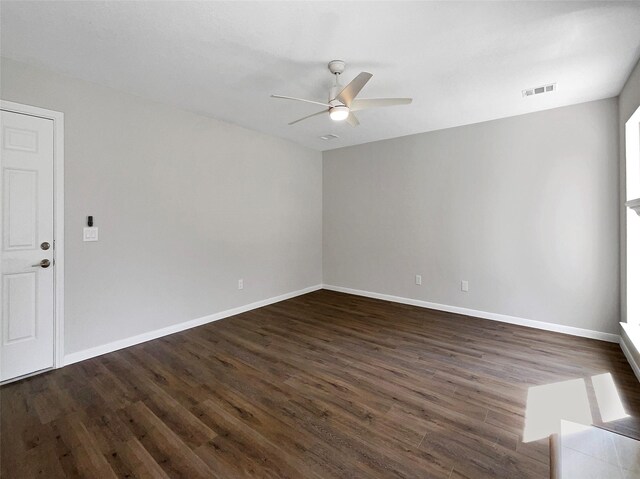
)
(58, 215)
(175, 328)
(630, 360)
(558, 328)
(632, 333)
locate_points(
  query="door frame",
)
(58, 218)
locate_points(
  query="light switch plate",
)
(90, 234)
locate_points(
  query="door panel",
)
(20, 209)
(27, 292)
(21, 140)
(19, 291)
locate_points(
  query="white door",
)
(26, 182)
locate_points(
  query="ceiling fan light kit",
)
(339, 113)
(342, 100)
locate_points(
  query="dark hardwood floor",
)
(322, 385)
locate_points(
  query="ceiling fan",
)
(342, 100)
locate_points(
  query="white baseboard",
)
(558, 328)
(175, 328)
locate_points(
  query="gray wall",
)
(524, 208)
(186, 205)
(628, 103)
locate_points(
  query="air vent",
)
(330, 136)
(539, 90)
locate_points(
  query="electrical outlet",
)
(90, 234)
(464, 286)
(241, 284)
(418, 279)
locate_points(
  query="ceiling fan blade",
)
(364, 103)
(300, 99)
(348, 93)
(352, 119)
(308, 116)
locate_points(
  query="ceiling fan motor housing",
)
(333, 93)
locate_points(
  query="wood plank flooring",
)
(320, 386)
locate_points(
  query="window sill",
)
(630, 344)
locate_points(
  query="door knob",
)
(45, 246)
(45, 263)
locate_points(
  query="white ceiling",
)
(462, 62)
